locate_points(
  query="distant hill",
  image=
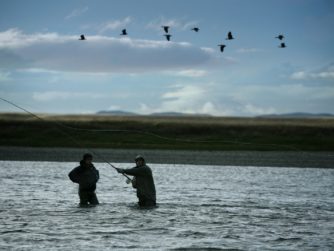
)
(178, 114)
(157, 114)
(117, 113)
(297, 115)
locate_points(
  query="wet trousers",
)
(146, 203)
(88, 197)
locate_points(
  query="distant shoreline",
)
(224, 158)
(168, 133)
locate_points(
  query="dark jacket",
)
(85, 176)
(144, 182)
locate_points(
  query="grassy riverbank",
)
(184, 133)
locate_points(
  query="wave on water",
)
(218, 208)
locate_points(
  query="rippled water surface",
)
(200, 207)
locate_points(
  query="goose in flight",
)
(82, 37)
(222, 46)
(196, 29)
(229, 36)
(124, 33)
(168, 36)
(280, 37)
(165, 28)
(282, 45)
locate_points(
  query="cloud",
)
(113, 25)
(326, 73)
(175, 23)
(192, 73)
(299, 75)
(191, 99)
(208, 98)
(223, 99)
(256, 110)
(14, 38)
(185, 92)
(114, 108)
(56, 95)
(76, 13)
(182, 99)
(55, 52)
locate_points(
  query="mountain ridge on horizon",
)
(180, 114)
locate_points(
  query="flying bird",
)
(280, 37)
(168, 36)
(82, 37)
(282, 45)
(196, 29)
(229, 36)
(165, 28)
(222, 46)
(124, 32)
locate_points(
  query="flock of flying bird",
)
(196, 29)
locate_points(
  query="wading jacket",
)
(85, 176)
(144, 182)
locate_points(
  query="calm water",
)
(200, 207)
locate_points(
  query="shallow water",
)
(200, 207)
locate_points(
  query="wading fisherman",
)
(86, 175)
(142, 181)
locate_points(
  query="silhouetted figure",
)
(168, 36)
(86, 176)
(229, 36)
(282, 45)
(280, 37)
(196, 29)
(165, 28)
(124, 33)
(82, 37)
(222, 46)
(142, 181)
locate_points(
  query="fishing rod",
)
(66, 134)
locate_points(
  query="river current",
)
(199, 208)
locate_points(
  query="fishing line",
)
(63, 132)
(177, 139)
(148, 134)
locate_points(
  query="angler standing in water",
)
(86, 175)
(142, 181)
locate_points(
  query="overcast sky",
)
(45, 68)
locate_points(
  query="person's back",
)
(86, 175)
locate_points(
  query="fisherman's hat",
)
(138, 157)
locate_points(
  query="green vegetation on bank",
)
(187, 133)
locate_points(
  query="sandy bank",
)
(226, 158)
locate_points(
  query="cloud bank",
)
(326, 73)
(52, 51)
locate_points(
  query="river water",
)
(200, 208)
